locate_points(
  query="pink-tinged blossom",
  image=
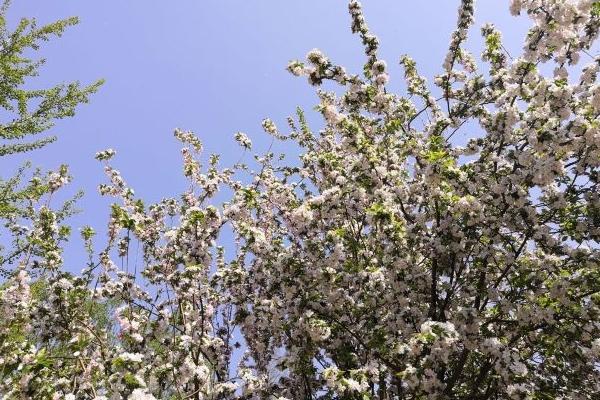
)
(385, 262)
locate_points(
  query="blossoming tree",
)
(390, 263)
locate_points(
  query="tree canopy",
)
(27, 113)
(387, 262)
(30, 112)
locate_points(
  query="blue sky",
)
(214, 67)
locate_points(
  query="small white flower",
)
(140, 394)
(243, 140)
(353, 384)
(133, 357)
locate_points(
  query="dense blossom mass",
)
(440, 244)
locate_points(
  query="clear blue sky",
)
(212, 66)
